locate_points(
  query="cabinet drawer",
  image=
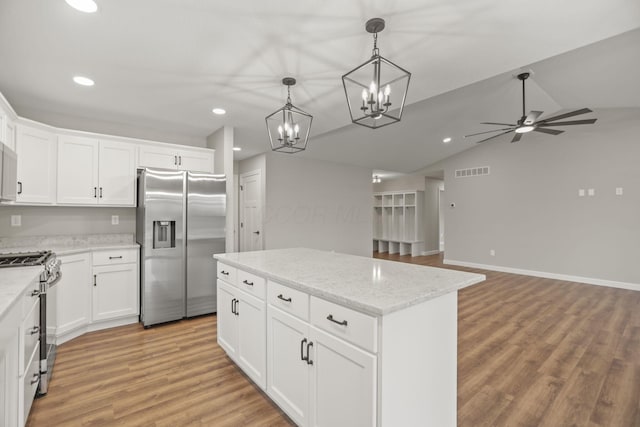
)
(30, 296)
(29, 383)
(119, 256)
(251, 284)
(289, 300)
(350, 325)
(29, 335)
(226, 273)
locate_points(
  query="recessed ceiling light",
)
(237, 149)
(219, 111)
(87, 6)
(446, 140)
(83, 81)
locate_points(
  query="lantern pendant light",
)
(376, 90)
(289, 126)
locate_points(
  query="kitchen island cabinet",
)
(357, 341)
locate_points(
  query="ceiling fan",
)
(529, 122)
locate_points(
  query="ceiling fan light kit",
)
(289, 126)
(529, 122)
(376, 90)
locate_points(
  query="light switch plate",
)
(16, 220)
(115, 220)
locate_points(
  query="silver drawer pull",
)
(248, 283)
(116, 257)
(34, 330)
(36, 378)
(35, 293)
(284, 299)
(342, 323)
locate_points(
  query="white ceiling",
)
(160, 66)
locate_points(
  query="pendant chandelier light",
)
(376, 90)
(289, 126)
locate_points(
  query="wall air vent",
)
(465, 173)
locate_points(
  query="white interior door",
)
(251, 211)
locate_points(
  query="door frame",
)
(243, 176)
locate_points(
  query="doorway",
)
(251, 235)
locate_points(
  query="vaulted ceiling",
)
(160, 66)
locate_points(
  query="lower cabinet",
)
(114, 291)
(317, 379)
(72, 296)
(241, 330)
(9, 368)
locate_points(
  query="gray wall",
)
(222, 142)
(57, 220)
(528, 209)
(317, 204)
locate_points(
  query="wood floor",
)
(531, 352)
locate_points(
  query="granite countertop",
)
(13, 282)
(66, 245)
(369, 285)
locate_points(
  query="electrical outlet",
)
(591, 192)
(16, 220)
(619, 191)
(492, 252)
(115, 220)
(581, 192)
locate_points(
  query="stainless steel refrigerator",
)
(180, 224)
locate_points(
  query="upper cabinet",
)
(36, 151)
(93, 172)
(197, 160)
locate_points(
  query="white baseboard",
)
(546, 275)
(68, 335)
(425, 253)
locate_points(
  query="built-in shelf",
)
(398, 222)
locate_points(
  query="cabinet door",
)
(9, 355)
(157, 157)
(36, 151)
(195, 160)
(10, 135)
(72, 294)
(227, 320)
(252, 343)
(343, 385)
(115, 291)
(117, 174)
(78, 170)
(287, 372)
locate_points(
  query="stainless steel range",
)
(50, 275)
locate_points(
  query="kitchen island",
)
(342, 340)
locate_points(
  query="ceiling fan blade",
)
(498, 124)
(565, 115)
(489, 131)
(516, 137)
(494, 136)
(572, 122)
(549, 131)
(531, 117)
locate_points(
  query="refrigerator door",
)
(206, 217)
(161, 209)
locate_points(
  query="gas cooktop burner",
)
(24, 259)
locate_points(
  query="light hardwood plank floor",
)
(531, 352)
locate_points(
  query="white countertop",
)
(370, 285)
(13, 282)
(66, 245)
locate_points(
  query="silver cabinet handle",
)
(35, 379)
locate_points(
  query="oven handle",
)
(56, 280)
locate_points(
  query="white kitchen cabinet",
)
(93, 172)
(197, 160)
(316, 378)
(242, 329)
(115, 285)
(36, 151)
(72, 296)
(10, 134)
(9, 377)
